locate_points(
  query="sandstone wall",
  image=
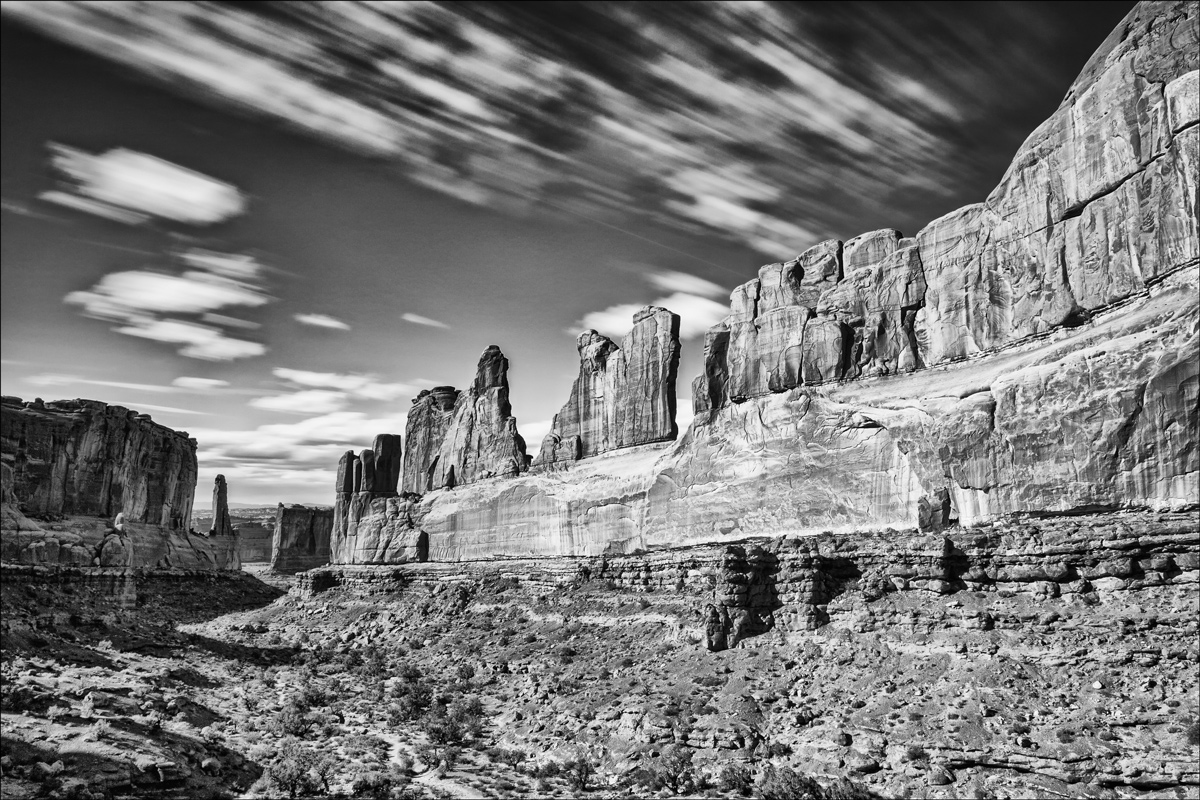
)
(301, 539)
(1099, 204)
(254, 541)
(88, 484)
(624, 396)
(1038, 353)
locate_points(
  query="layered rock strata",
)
(87, 484)
(302, 538)
(624, 395)
(370, 520)
(1033, 354)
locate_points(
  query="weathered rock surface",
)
(254, 541)
(1098, 205)
(623, 396)
(428, 420)
(1081, 391)
(87, 484)
(302, 537)
(481, 439)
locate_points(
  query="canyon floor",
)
(536, 679)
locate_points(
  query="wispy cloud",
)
(301, 455)
(697, 313)
(321, 321)
(417, 319)
(132, 187)
(199, 384)
(309, 401)
(56, 379)
(154, 304)
(358, 385)
(132, 406)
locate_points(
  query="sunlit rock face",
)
(428, 420)
(1037, 353)
(481, 438)
(624, 395)
(302, 538)
(88, 484)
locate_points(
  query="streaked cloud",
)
(417, 319)
(673, 281)
(138, 406)
(773, 124)
(309, 401)
(321, 321)
(697, 312)
(56, 379)
(199, 384)
(155, 304)
(132, 187)
(357, 385)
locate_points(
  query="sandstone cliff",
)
(624, 395)
(428, 420)
(302, 538)
(1038, 353)
(90, 484)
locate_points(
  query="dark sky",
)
(271, 225)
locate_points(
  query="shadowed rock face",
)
(85, 457)
(117, 486)
(624, 396)
(302, 538)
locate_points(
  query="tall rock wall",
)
(1100, 204)
(624, 395)
(302, 538)
(85, 457)
(1034, 354)
(88, 484)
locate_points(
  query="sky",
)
(272, 224)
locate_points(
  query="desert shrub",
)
(672, 770)
(374, 785)
(736, 778)
(1065, 735)
(579, 771)
(453, 724)
(505, 756)
(914, 752)
(289, 772)
(782, 783)
(465, 672)
(294, 720)
(643, 603)
(439, 756)
(1193, 733)
(324, 766)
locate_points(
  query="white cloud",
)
(417, 319)
(171, 409)
(321, 321)
(191, 293)
(672, 281)
(361, 386)
(533, 433)
(131, 187)
(53, 379)
(199, 384)
(230, 322)
(310, 401)
(301, 455)
(148, 303)
(696, 315)
(201, 341)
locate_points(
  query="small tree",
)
(289, 772)
(786, 784)
(324, 767)
(579, 771)
(736, 778)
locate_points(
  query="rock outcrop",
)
(428, 420)
(88, 484)
(1033, 354)
(302, 537)
(624, 396)
(481, 439)
(1098, 206)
